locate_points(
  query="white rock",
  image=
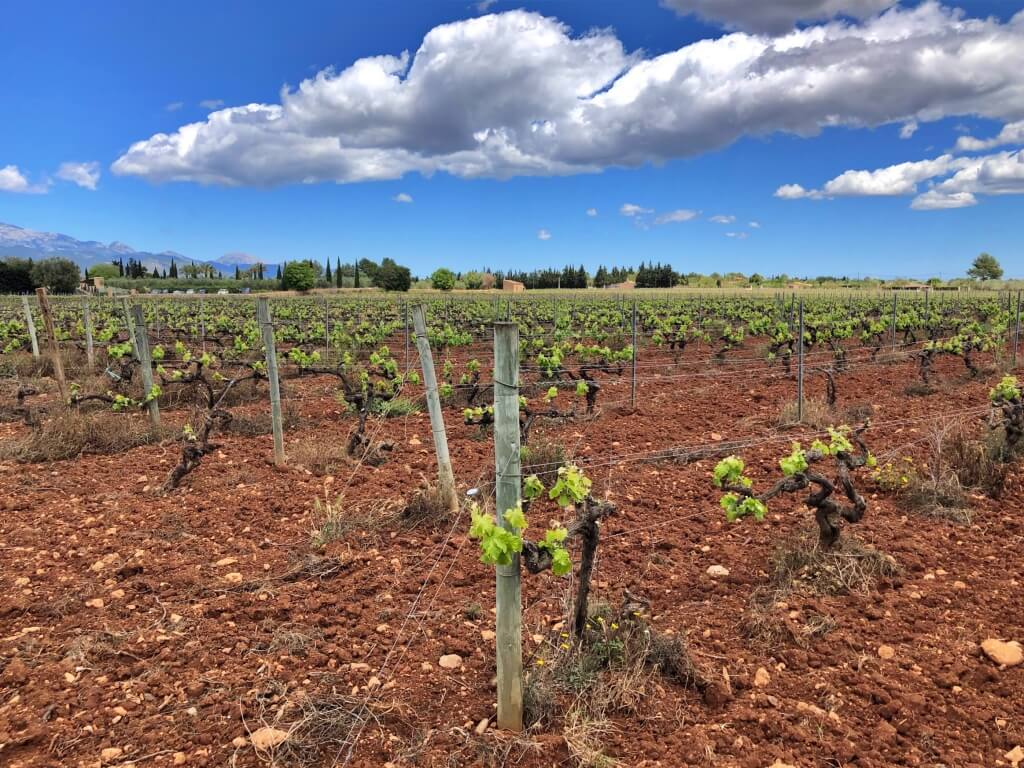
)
(268, 738)
(450, 661)
(1005, 654)
(717, 571)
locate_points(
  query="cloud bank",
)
(518, 94)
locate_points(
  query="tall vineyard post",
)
(145, 363)
(508, 591)
(51, 341)
(894, 298)
(800, 367)
(405, 305)
(1016, 332)
(131, 327)
(327, 329)
(90, 352)
(30, 324)
(632, 384)
(267, 330)
(202, 323)
(445, 476)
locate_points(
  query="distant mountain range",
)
(27, 243)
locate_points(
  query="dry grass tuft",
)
(426, 506)
(817, 415)
(337, 519)
(319, 457)
(258, 423)
(70, 433)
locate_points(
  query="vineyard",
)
(582, 529)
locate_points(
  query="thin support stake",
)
(1016, 332)
(632, 394)
(445, 476)
(90, 352)
(131, 327)
(146, 364)
(800, 368)
(508, 592)
(30, 324)
(51, 341)
(267, 329)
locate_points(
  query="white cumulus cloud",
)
(908, 129)
(1011, 133)
(632, 210)
(722, 219)
(543, 234)
(211, 103)
(517, 93)
(85, 175)
(402, 197)
(591, 211)
(677, 216)
(13, 180)
(952, 182)
(775, 16)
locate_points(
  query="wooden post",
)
(508, 594)
(145, 363)
(30, 324)
(267, 330)
(894, 297)
(131, 328)
(1016, 332)
(327, 330)
(51, 340)
(800, 368)
(202, 322)
(405, 304)
(90, 352)
(445, 476)
(632, 394)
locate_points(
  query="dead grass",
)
(955, 462)
(585, 728)
(337, 519)
(258, 423)
(69, 434)
(817, 415)
(321, 457)
(428, 506)
(800, 566)
(321, 729)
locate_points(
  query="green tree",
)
(355, 278)
(299, 276)
(985, 267)
(56, 275)
(393, 277)
(106, 271)
(337, 273)
(16, 275)
(442, 279)
(474, 281)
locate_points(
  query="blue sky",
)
(82, 84)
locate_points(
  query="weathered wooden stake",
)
(51, 340)
(445, 476)
(894, 298)
(145, 363)
(632, 393)
(30, 323)
(1016, 332)
(508, 594)
(131, 328)
(800, 368)
(267, 330)
(405, 304)
(90, 352)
